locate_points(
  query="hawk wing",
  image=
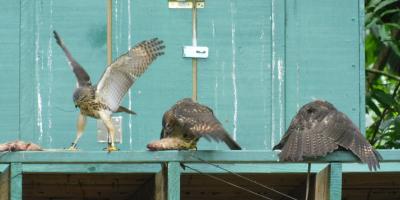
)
(199, 120)
(317, 136)
(122, 73)
(81, 75)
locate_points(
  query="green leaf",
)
(395, 47)
(389, 12)
(371, 47)
(386, 124)
(383, 4)
(384, 33)
(371, 105)
(393, 25)
(373, 3)
(385, 99)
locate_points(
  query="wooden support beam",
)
(16, 181)
(168, 182)
(226, 157)
(5, 184)
(328, 183)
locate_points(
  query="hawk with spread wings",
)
(185, 123)
(101, 100)
(318, 129)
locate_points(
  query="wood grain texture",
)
(16, 181)
(5, 184)
(239, 157)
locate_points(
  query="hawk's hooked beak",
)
(162, 133)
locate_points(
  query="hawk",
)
(101, 100)
(185, 123)
(318, 129)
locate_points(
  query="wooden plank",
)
(328, 183)
(361, 64)
(377, 186)
(27, 72)
(322, 184)
(278, 70)
(314, 71)
(9, 70)
(80, 186)
(175, 156)
(160, 192)
(174, 181)
(16, 181)
(91, 168)
(168, 182)
(146, 190)
(5, 184)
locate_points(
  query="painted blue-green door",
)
(266, 59)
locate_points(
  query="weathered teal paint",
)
(323, 59)
(176, 156)
(9, 69)
(174, 181)
(266, 59)
(16, 181)
(3, 167)
(335, 181)
(91, 168)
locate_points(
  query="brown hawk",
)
(101, 100)
(185, 123)
(318, 129)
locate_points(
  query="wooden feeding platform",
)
(140, 175)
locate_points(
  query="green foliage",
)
(382, 50)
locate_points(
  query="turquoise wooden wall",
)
(267, 58)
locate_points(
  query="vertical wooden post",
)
(194, 43)
(328, 183)
(168, 182)
(160, 184)
(16, 181)
(5, 184)
(109, 32)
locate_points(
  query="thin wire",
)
(243, 177)
(229, 183)
(308, 180)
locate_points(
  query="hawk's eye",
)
(310, 110)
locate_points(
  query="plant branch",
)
(379, 122)
(382, 59)
(374, 71)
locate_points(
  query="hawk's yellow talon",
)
(72, 148)
(111, 149)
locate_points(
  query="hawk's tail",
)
(123, 109)
(232, 144)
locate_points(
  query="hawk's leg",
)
(106, 118)
(80, 127)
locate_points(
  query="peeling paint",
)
(280, 92)
(50, 75)
(38, 67)
(297, 86)
(129, 92)
(235, 96)
(273, 72)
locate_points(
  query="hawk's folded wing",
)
(310, 136)
(199, 120)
